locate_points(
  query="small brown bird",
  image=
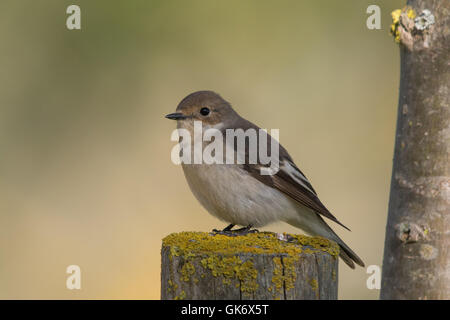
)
(238, 193)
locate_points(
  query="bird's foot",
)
(234, 233)
(244, 231)
(225, 231)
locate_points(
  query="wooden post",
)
(259, 266)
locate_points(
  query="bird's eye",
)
(204, 111)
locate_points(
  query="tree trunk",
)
(416, 261)
(263, 266)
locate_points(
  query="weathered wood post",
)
(260, 266)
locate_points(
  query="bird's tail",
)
(348, 256)
(321, 228)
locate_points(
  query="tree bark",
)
(416, 262)
(201, 266)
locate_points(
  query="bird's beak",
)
(176, 116)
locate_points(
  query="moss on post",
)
(197, 265)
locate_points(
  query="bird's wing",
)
(289, 179)
(294, 184)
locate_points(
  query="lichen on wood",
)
(263, 265)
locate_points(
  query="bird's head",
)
(205, 106)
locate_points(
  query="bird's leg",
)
(228, 228)
(243, 228)
(225, 231)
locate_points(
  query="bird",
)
(237, 193)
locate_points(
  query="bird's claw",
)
(234, 233)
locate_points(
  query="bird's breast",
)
(232, 195)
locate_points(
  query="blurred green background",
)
(85, 170)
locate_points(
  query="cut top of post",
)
(199, 243)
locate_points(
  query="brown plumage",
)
(253, 198)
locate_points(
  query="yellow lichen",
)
(171, 286)
(247, 275)
(284, 275)
(217, 254)
(313, 283)
(410, 12)
(395, 22)
(230, 268)
(190, 244)
(182, 296)
(396, 17)
(315, 286)
(290, 274)
(187, 271)
(277, 278)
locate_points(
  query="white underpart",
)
(232, 195)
